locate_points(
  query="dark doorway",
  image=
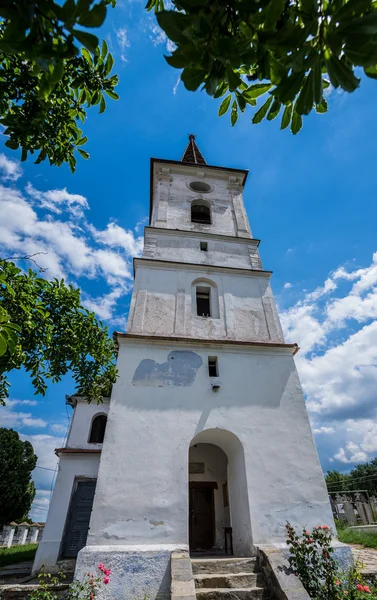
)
(202, 515)
(77, 524)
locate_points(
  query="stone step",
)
(223, 565)
(229, 580)
(252, 593)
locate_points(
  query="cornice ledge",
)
(200, 267)
(293, 348)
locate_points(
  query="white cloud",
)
(11, 169)
(336, 328)
(355, 454)
(59, 428)
(324, 430)
(287, 285)
(104, 305)
(71, 246)
(57, 200)
(123, 42)
(13, 418)
(176, 84)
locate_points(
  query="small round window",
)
(200, 186)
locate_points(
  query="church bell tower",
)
(207, 429)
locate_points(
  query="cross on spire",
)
(192, 153)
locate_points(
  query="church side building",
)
(207, 429)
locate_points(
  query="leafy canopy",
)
(45, 83)
(361, 477)
(289, 50)
(45, 329)
(17, 491)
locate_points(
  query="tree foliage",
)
(286, 52)
(362, 477)
(17, 491)
(46, 84)
(45, 329)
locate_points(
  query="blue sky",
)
(311, 199)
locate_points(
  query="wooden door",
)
(202, 516)
(77, 524)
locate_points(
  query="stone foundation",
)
(137, 572)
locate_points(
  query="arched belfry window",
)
(205, 299)
(200, 212)
(97, 431)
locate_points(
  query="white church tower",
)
(207, 435)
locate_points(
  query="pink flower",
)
(337, 582)
(366, 589)
(325, 527)
(106, 580)
(107, 571)
(307, 533)
(346, 593)
(101, 567)
(359, 587)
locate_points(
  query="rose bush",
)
(312, 560)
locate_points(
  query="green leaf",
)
(88, 57)
(341, 75)
(109, 65)
(317, 81)
(192, 78)
(112, 94)
(221, 90)
(241, 101)
(288, 87)
(83, 153)
(273, 12)
(174, 24)
(12, 144)
(57, 72)
(256, 90)
(102, 106)
(296, 123)
(88, 40)
(94, 17)
(261, 113)
(305, 99)
(277, 70)
(224, 106)
(274, 110)
(234, 80)
(104, 49)
(82, 141)
(3, 344)
(234, 114)
(286, 118)
(322, 106)
(371, 72)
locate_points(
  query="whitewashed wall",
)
(183, 246)
(173, 197)
(81, 422)
(142, 491)
(163, 303)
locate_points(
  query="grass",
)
(350, 536)
(17, 554)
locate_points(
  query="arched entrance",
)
(218, 493)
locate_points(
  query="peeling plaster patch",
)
(156, 523)
(179, 370)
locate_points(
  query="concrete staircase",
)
(229, 579)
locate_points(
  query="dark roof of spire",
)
(192, 153)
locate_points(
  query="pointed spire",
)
(192, 153)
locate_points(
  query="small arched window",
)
(97, 432)
(205, 300)
(200, 212)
